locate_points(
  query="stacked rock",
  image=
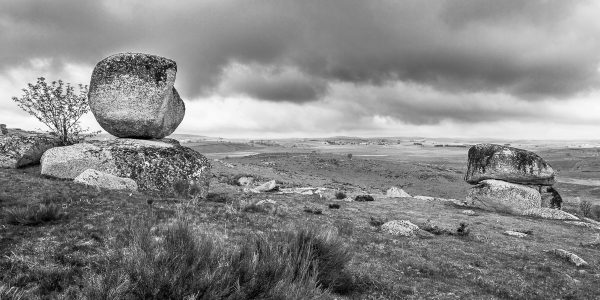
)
(132, 97)
(508, 179)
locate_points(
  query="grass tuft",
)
(11, 293)
(585, 207)
(182, 263)
(34, 215)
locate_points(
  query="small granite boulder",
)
(490, 161)
(20, 150)
(396, 192)
(497, 195)
(3, 129)
(400, 228)
(132, 95)
(153, 165)
(104, 180)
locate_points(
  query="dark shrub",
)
(313, 210)
(340, 195)
(364, 198)
(334, 206)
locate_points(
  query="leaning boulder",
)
(20, 150)
(153, 165)
(503, 196)
(490, 161)
(132, 95)
(104, 180)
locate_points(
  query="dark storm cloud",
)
(530, 49)
(272, 84)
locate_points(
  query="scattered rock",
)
(364, 198)
(426, 198)
(132, 95)
(400, 228)
(226, 164)
(103, 180)
(497, 195)
(20, 150)
(591, 221)
(266, 187)
(3, 129)
(571, 257)
(153, 165)
(322, 192)
(584, 224)
(516, 234)
(245, 181)
(468, 212)
(549, 213)
(490, 161)
(396, 192)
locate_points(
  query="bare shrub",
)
(58, 107)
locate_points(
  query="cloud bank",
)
(415, 62)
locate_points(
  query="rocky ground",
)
(462, 253)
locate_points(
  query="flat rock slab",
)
(104, 180)
(132, 95)
(155, 165)
(491, 161)
(20, 150)
(549, 213)
(501, 196)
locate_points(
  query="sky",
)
(507, 69)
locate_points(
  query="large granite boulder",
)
(490, 161)
(497, 195)
(132, 95)
(99, 179)
(20, 150)
(153, 165)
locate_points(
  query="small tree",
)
(57, 106)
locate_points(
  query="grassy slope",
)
(51, 259)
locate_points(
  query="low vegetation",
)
(33, 215)
(181, 262)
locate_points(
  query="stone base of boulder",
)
(497, 195)
(20, 150)
(155, 165)
(99, 179)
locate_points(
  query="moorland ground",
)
(63, 255)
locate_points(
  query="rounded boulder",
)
(132, 95)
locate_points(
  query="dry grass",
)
(33, 215)
(182, 263)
